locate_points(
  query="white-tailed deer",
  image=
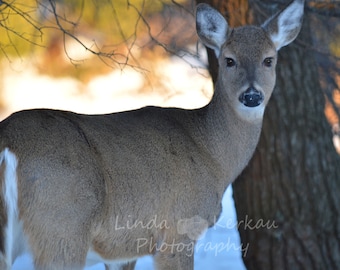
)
(79, 189)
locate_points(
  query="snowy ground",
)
(25, 89)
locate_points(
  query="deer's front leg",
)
(179, 256)
(128, 266)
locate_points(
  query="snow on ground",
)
(220, 248)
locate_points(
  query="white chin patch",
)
(250, 114)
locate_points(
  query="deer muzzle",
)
(251, 97)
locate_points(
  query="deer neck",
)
(230, 139)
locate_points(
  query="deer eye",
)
(268, 62)
(230, 62)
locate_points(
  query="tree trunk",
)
(288, 198)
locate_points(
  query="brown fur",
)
(127, 184)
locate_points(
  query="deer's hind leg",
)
(59, 234)
(59, 211)
(56, 252)
(60, 240)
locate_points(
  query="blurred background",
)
(100, 56)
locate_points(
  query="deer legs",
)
(179, 261)
(128, 266)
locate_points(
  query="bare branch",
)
(9, 9)
(108, 58)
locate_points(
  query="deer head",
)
(247, 55)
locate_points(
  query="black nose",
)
(251, 97)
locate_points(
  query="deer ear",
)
(211, 27)
(284, 27)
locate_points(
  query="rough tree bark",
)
(290, 190)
